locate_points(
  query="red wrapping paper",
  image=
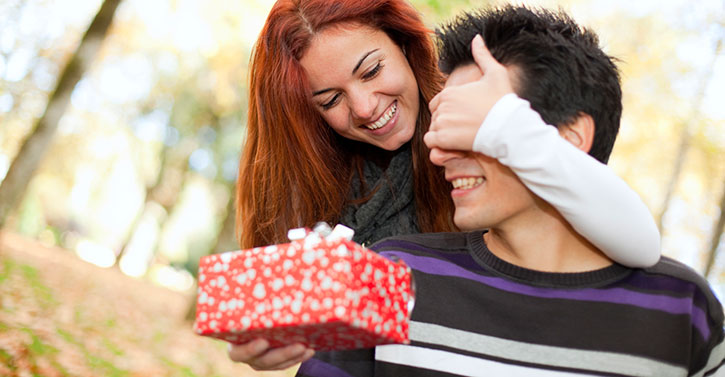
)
(328, 295)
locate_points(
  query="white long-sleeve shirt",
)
(596, 202)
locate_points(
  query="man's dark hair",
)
(559, 67)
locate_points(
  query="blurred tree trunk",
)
(717, 232)
(190, 315)
(151, 192)
(226, 239)
(32, 151)
(166, 189)
(686, 135)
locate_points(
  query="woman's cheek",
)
(336, 120)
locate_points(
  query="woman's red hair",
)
(294, 170)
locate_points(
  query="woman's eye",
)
(373, 72)
(332, 102)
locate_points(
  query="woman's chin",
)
(395, 140)
(392, 145)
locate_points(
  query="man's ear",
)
(580, 132)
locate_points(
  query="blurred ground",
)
(60, 316)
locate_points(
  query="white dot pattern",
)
(325, 294)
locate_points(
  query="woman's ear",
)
(580, 133)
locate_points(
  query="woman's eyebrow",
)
(359, 63)
(357, 66)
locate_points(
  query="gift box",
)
(326, 294)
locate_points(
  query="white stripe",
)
(716, 357)
(453, 363)
(541, 354)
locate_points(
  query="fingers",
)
(430, 139)
(248, 351)
(447, 140)
(281, 358)
(434, 103)
(482, 56)
(304, 356)
(259, 356)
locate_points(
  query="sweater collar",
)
(490, 261)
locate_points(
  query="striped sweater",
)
(477, 315)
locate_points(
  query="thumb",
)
(481, 55)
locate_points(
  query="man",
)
(529, 296)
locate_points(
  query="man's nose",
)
(441, 156)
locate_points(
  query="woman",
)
(338, 107)
(299, 166)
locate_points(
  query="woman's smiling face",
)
(362, 85)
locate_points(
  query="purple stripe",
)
(682, 287)
(461, 259)
(318, 368)
(662, 303)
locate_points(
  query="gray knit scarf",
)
(391, 210)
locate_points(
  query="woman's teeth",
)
(467, 183)
(384, 119)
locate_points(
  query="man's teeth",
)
(383, 119)
(467, 183)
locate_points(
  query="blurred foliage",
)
(56, 319)
(436, 11)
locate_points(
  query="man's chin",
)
(469, 221)
(466, 226)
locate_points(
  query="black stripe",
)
(474, 307)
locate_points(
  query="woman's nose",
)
(363, 104)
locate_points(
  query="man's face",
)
(486, 194)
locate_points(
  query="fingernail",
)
(478, 39)
(229, 347)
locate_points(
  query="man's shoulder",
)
(691, 281)
(452, 241)
(674, 269)
(707, 311)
